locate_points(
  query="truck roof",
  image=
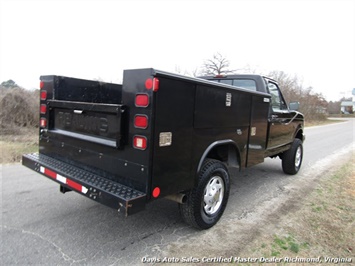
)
(231, 76)
(259, 79)
(207, 80)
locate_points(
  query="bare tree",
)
(291, 85)
(192, 73)
(218, 65)
(9, 84)
(19, 108)
(313, 105)
(334, 107)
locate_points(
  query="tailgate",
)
(99, 123)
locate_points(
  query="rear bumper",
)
(125, 199)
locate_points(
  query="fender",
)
(233, 157)
(299, 134)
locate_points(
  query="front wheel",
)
(206, 202)
(292, 159)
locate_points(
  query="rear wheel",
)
(206, 202)
(292, 159)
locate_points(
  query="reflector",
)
(155, 84)
(41, 84)
(156, 192)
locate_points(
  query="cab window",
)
(226, 81)
(277, 102)
(245, 83)
(248, 84)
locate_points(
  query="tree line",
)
(19, 108)
(313, 105)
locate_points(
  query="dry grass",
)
(323, 227)
(321, 122)
(13, 146)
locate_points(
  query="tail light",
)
(140, 142)
(141, 121)
(152, 84)
(148, 84)
(142, 100)
(43, 122)
(43, 95)
(43, 109)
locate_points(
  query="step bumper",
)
(115, 195)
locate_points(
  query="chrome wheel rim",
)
(298, 156)
(213, 196)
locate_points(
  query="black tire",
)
(292, 159)
(213, 187)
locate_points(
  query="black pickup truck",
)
(162, 135)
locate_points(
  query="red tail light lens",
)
(155, 84)
(41, 85)
(141, 121)
(43, 122)
(140, 142)
(43, 95)
(148, 84)
(156, 192)
(142, 100)
(43, 109)
(152, 84)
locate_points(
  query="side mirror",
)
(294, 106)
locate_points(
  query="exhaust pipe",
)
(178, 197)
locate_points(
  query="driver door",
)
(280, 129)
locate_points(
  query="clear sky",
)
(97, 39)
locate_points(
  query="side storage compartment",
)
(173, 133)
(221, 124)
(258, 129)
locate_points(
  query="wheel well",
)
(227, 153)
(299, 135)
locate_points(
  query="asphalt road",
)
(41, 226)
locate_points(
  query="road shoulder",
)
(275, 228)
